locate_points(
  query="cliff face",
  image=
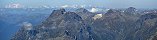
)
(81, 25)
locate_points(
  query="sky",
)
(102, 3)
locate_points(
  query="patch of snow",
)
(83, 6)
(97, 16)
(107, 9)
(64, 6)
(27, 26)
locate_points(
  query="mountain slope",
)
(82, 25)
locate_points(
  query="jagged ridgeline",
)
(84, 25)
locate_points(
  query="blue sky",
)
(104, 3)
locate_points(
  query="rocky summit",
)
(84, 25)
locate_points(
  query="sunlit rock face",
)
(84, 25)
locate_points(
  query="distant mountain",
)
(85, 25)
(130, 10)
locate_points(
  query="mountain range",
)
(82, 24)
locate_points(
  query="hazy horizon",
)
(95, 3)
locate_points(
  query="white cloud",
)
(73, 6)
(14, 5)
(93, 10)
(45, 6)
